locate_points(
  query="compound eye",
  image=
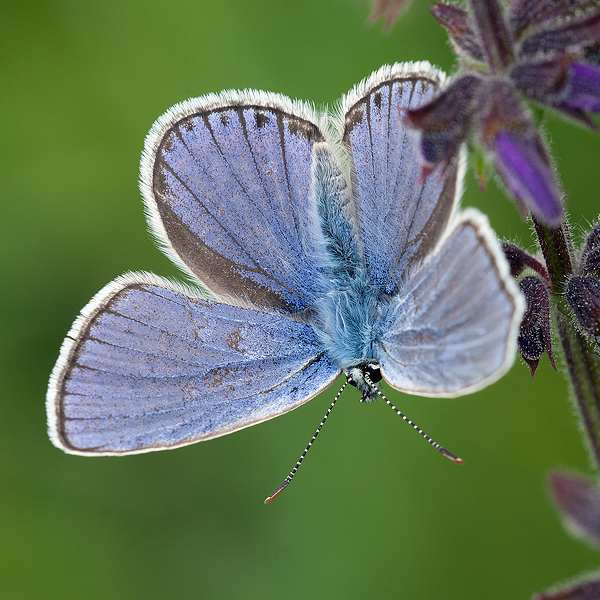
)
(373, 371)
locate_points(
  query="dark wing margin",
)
(147, 366)
(226, 182)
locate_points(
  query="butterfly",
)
(313, 248)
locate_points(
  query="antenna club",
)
(276, 493)
(451, 456)
(457, 460)
(439, 448)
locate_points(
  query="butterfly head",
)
(364, 377)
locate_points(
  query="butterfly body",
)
(349, 305)
(314, 249)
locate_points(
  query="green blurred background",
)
(374, 512)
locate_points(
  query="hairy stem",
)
(556, 248)
(583, 364)
(584, 369)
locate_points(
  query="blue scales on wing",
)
(152, 368)
(226, 181)
(447, 314)
(401, 219)
(446, 332)
(318, 250)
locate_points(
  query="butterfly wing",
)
(149, 367)
(226, 180)
(453, 327)
(401, 219)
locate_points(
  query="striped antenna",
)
(287, 480)
(439, 448)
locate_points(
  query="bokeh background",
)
(374, 512)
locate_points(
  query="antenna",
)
(372, 385)
(439, 448)
(287, 480)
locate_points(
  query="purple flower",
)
(583, 85)
(522, 164)
(568, 86)
(547, 50)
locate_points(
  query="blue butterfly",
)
(322, 252)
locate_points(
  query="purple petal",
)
(444, 123)
(579, 501)
(492, 30)
(457, 22)
(524, 167)
(573, 34)
(506, 131)
(572, 87)
(525, 13)
(583, 84)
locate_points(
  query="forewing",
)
(148, 367)
(401, 219)
(453, 328)
(226, 181)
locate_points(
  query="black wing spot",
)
(304, 129)
(377, 100)
(261, 120)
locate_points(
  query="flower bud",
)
(564, 35)
(534, 336)
(590, 256)
(583, 294)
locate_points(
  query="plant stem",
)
(556, 248)
(583, 364)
